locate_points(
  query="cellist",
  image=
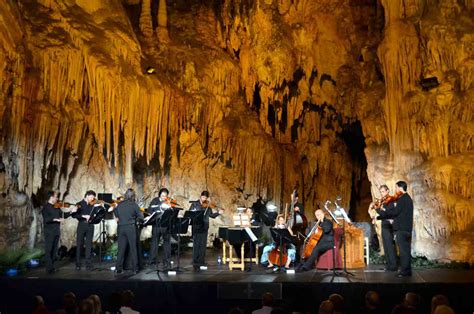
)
(326, 242)
(280, 223)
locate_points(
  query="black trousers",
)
(85, 231)
(51, 242)
(156, 233)
(403, 239)
(127, 238)
(199, 248)
(388, 245)
(319, 249)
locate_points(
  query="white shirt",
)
(263, 310)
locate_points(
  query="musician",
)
(127, 213)
(200, 227)
(402, 214)
(158, 231)
(247, 244)
(297, 206)
(387, 232)
(52, 218)
(85, 230)
(326, 242)
(280, 223)
(377, 223)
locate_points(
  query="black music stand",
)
(180, 225)
(343, 238)
(97, 216)
(281, 236)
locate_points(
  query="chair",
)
(325, 261)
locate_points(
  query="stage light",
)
(150, 70)
(271, 207)
(33, 263)
(107, 257)
(112, 268)
(12, 272)
(428, 83)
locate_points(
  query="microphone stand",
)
(344, 218)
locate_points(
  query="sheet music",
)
(251, 234)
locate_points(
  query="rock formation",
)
(245, 98)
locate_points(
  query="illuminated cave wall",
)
(248, 98)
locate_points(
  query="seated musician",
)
(280, 223)
(247, 244)
(326, 242)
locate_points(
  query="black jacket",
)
(201, 222)
(49, 213)
(401, 212)
(82, 209)
(328, 232)
(127, 213)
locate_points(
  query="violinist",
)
(386, 229)
(160, 204)
(401, 212)
(326, 242)
(280, 223)
(200, 227)
(85, 230)
(52, 217)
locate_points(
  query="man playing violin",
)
(200, 228)
(52, 218)
(85, 230)
(387, 230)
(326, 242)
(160, 204)
(280, 223)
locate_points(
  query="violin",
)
(64, 205)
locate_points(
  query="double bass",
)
(297, 221)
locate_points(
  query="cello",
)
(312, 240)
(279, 255)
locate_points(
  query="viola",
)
(64, 205)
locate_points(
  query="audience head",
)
(69, 302)
(437, 300)
(236, 310)
(128, 298)
(278, 310)
(326, 307)
(97, 304)
(372, 300)
(403, 309)
(86, 307)
(444, 309)
(412, 299)
(338, 301)
(267, 299)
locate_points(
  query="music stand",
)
(178, 226)
(97, 216)
(345, 218)
(281, 236)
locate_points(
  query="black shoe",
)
(196, 268)
(78, 267)
(400, 275)
(390, 269)
(118, 271)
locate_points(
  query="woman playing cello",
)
(272, 250)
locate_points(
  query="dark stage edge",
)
(218, 289)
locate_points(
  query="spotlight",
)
(429, 83)
(33, 263)
(150, 70)
(12, 272)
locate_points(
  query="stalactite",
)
(146, 26)
(162, 18)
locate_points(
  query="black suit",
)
(52, 233)
(326, 242)
(200, 228)
(402, 215)
(159, 231)
(127, 213)
(84, 230)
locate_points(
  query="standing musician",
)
(387, 228)
(159, 231)
(127, 212)
(280, 223)
(52, 218)
(85, 230)
(402, 214)
(297, 222)
(326, 242)
(200, 228)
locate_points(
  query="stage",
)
(218, 289)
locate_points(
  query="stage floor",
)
(221, 288)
